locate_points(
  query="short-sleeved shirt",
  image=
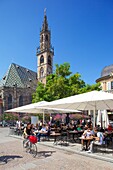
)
(101, 137)
(88, 133)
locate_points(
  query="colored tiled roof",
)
(19, 76)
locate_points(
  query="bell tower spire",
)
(45, 52)
(45, 23)
(44, 11)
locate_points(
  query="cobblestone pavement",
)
(14, 157)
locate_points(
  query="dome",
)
(107, 70)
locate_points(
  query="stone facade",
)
(14, 97)
(17, 87)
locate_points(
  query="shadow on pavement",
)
(6, 158)
(45, 153)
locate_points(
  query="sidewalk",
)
(75, 148)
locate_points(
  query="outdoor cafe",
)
(87, 134)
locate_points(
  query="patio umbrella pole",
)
(94, 112)
(101, 120)
(43, 117)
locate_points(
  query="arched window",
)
(21, 101)
(10, 101)
(49, 60)
(42, 38)
(41, 72)
(46, 37)
(41, 59)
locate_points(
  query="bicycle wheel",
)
(25, 143)
(33, 149)
(28, 146)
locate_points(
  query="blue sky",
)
(82, 34)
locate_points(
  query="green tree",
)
(63, 70)
(76, 83)
(39, 94)
(89, 88)
(62, 84)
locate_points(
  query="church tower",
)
(44, 53)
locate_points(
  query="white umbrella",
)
(105, 119)
(102, 118)
(38, 108)
(94, 100)
(28, 108)
(99, 118)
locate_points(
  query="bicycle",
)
(30, 145)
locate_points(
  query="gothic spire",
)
(45, 23)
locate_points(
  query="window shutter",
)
(108, 85)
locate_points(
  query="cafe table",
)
(86, 140)
(73, 133)
(55, 136)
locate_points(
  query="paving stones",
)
(48, 158)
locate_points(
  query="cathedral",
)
(19, 83)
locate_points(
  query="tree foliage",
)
(62, 84)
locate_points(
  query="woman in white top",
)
(87, 133)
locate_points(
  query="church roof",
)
(19, 76)
(108, 70)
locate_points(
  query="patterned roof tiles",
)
(19, 76)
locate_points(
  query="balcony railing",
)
(51, 49)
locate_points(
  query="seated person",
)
(87, 133)
(40, 125)
(83, 122)
(32, 127)
(75, 127)
(36, 127)
(109, 128)
(70, 126)
(89, 123)
(99, 140)
(79, 128)
(42, 132)
(98, 127)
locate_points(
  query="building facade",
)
(106, 81)
(17, 87)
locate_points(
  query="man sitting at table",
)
(43, 132)
(99, 140)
